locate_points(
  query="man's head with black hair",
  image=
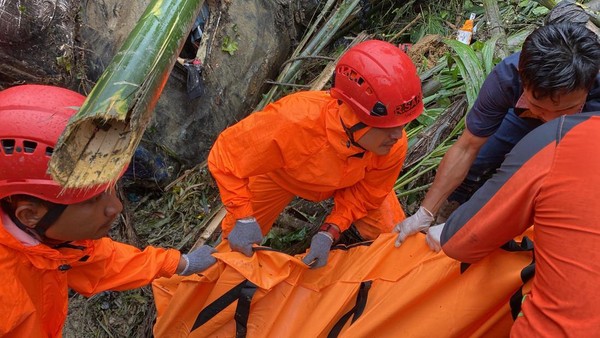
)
(558, 59)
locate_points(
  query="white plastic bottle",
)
(465, 33)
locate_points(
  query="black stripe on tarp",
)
(242, 312)
(243, 293)
(463, 267)
(357, 310)
(515, 303)
(526, 244)
(516, 300)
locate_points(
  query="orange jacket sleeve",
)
(118, 266)
(504, 206)
(353, 203)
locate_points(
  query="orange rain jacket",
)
(35, 279)
(550, 179)
(300, 144)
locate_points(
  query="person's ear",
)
(29, 213)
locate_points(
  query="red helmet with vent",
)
(32, 117)
(380, 83)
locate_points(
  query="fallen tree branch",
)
(287, 84)
(311, 57)
(313, 46)
(407, 27)
(100, 139)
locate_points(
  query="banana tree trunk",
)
(492, 12)
(100, 139)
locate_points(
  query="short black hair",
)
(559, 58)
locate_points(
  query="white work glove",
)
(420, 221)
(433, 237)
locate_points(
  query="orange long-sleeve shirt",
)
(300, 143)
(34, 280)
(551, 180)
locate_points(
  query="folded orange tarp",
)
(374, 289)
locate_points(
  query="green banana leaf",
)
(470, 68)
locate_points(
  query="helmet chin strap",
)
(48, 219)
(350, 133)
(39, 231)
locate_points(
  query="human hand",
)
(320, 245)
(245, 233)
(420, 221)
(198, 260)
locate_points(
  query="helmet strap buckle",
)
(350, 133)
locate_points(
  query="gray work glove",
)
(420, 221)
(320, 245)
(245, 233)
(433, 237)
(198, 260)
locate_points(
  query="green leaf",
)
(470, 68)
(477, 45)
(488, 54)
(515, 40)
(278, 240)
(64, 62)
(229, 45)
(425, 118)
(540, 11)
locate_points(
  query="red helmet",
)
(380, 83)
(32, 117)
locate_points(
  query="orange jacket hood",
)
(42, 256)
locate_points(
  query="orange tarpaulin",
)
(372, 289)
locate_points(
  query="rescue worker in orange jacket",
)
(53, 239)
(549, 180)
(348, 143)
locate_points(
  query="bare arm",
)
(453, 169)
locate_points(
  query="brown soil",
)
(427, 51)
